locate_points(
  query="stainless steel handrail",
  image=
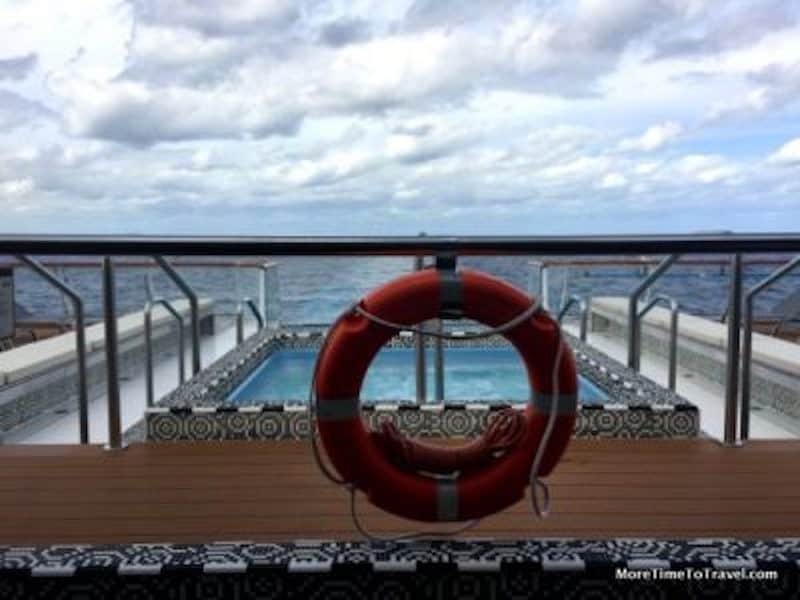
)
(194, 307)
(149, 288)
(643, 262)
(674, 309)
(438, 363)
(543, 284)
(583, 306)
(263, 292)
(112, 356)
(80, 339)
(148, 345)
(65, 302)
(198, 246)
(634, 332)
(240, 318)
(98, 245)
(420, 369)
(747, 342)
(733, 351)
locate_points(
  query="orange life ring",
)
(353, 342)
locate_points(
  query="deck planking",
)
(196, 492)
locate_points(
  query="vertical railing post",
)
(148, 353)
(747, 365)
(80, 339)
(419, 352)
(264, 291)
(733, 351)
(148, 344)
(747, 340)
(674, 310)
(439, 363)
(646, 270)
(112, 357)
(263, 299)
(544, 286)
(634, 330)
(181, 350)
(672, 379)
(149, 288)
(194, 307)
(247, 302)
(239, 324)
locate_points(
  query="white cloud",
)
(788, 154)
(16, 188)
(158, 48)
(613, 181)
(410, 108)
(331, 168)
(201, 159)
(646, 168)
(582, 167)
(655, 138)
(706, 169)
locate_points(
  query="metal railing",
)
(263, 289)
(634, 329)
(543, 267)
(438, 363)
(733, 350)
(98, 245)
(194, 308)
(248, 302)
(583, 307)
(703, 244)
(80, 339)
(420, 370)
(747, 342)
(148, 345)
(543, 283)
(674, 309)
(112, 357)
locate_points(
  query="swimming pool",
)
(470, 375)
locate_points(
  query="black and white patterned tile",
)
(386, 570)
(292, 422)
(637, 407)
(323, 555)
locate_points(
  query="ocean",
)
(317, 289)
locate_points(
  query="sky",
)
(377, 117)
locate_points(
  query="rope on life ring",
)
(407, 477)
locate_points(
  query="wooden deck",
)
(259, 491)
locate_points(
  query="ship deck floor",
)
(272, 491)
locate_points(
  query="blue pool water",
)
(471, 374)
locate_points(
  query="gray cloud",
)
(231, 17)
(423, 14)
(776, 87)
(136, 116)
(443, 53)
(344, 31)
(17, 111)
(611, 26)
(725, 27)
(18, 67)
(408, 111)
